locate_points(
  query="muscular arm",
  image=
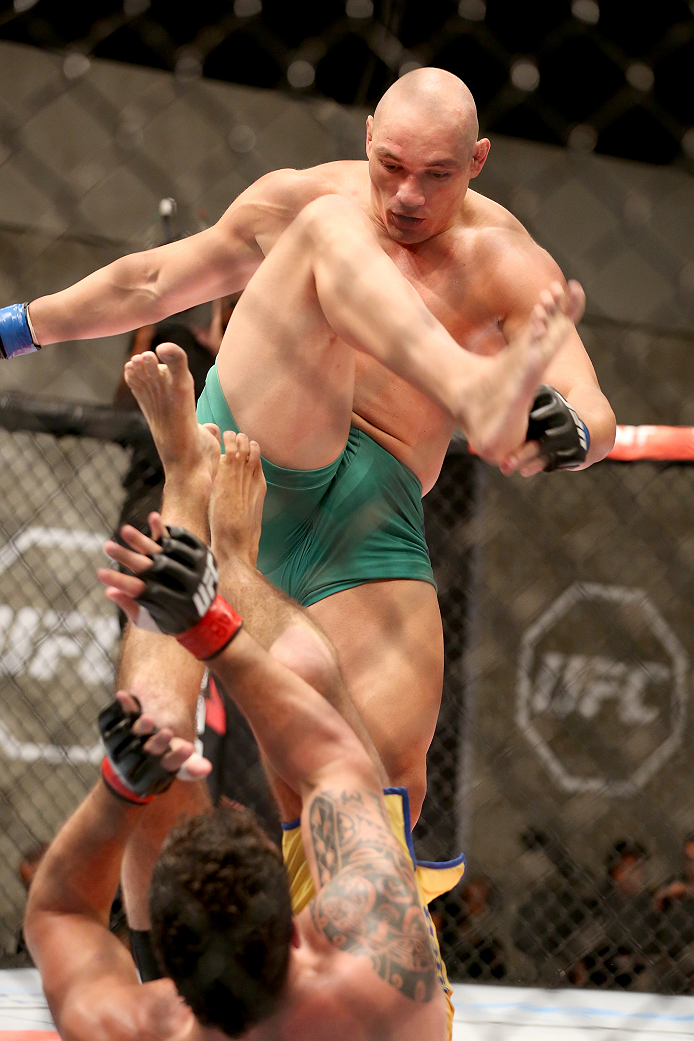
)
(521, 271)
(88, 975)
(66, 924)
(367, 903)
(302, 735)
(146, 287)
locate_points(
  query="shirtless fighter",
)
(363, 280)
(360, 959)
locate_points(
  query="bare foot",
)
(236, 509)
(164, 390)
(496, 409)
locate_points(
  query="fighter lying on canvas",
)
(359, 959)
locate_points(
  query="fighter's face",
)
(419, 176)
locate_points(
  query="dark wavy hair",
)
(222, 918)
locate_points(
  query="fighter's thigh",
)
(164, 676)
(389, 641)
(287, 379)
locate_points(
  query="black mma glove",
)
(127, 770)
(180, 599)
(180, 585)
(563, 439)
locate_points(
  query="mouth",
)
(406, 223)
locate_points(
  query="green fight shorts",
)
(351, 522)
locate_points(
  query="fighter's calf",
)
(164, 677)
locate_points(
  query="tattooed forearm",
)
(368, 905)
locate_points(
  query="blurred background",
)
(561, 763)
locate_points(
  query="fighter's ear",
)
(369, 135)
(479, 155)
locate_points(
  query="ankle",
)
(186, 503)
(234, 565)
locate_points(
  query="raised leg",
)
(165, 678)
(326, 289)
(156, 668)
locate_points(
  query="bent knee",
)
(304, 652)
(326, 218)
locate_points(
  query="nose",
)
(410, 194)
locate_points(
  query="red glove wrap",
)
(213, 632)
(119, 787)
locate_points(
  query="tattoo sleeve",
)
(368, 904)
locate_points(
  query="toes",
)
(174, 357)
(538, 321)
(548, 302)
(254, 454)
(134, 371)
(242, 447)
(149, 365)
(229, 439)
(576, 303)
(214, 430)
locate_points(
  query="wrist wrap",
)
(213, 632)
(115, 785)
(562, 437)
(127, 770)
(16, 335)
(180, 597)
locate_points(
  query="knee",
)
(304, 652)
(326, 220)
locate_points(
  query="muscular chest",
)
(453, 291)
(453, 288)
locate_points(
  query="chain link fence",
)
(559, 762)
(581, 73)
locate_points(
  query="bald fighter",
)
(359, 959)
(362, 280)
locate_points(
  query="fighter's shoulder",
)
(290, 190)
(492, 227)
(501, 245)
(290, 187)
(356, 992)
(262, 212)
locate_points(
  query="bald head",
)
(431, 97)
(423, 151)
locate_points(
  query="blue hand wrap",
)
(15, 333)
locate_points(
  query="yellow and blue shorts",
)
(432, 878)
